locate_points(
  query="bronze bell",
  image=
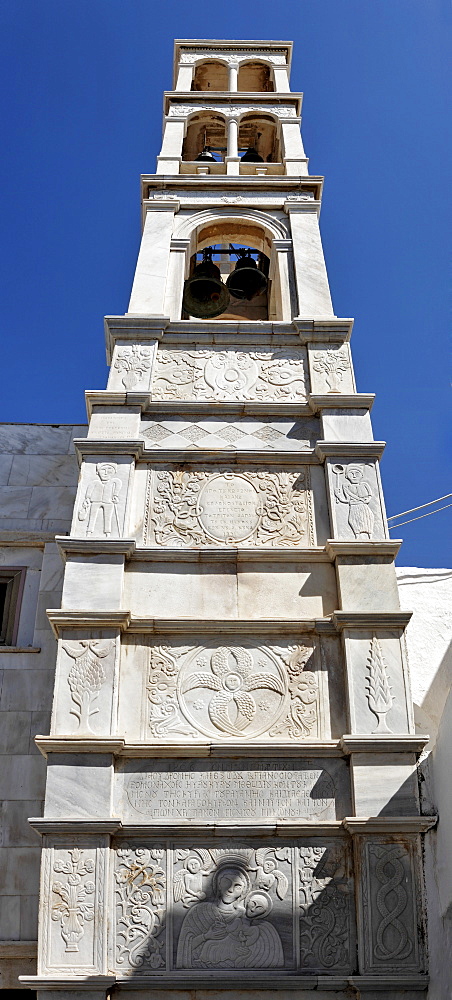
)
(205, 295)
(205, 156)
(246, 280)
(252, 156)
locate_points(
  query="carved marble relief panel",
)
(331, 368)
(72, 901)
(356, 503)
(233, 907)
(217, 432)
(215, 374)
(100, 506)
(85, 683)
(378, 686)
(201, 506)
(239, 689)
(232, 789)
(391, 923)
(131, 369)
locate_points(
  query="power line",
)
(421, 506)
(395, 527)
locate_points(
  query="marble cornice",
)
(390, 743)
(349, 449)
(105, 397)
(60, 619)
(385, 547)
(389, 824)
(338, 400)
(222, 626)
(231, 554)
(72, 982)
(141, 329)
(249, 981)
(371, 619)
(143, 750)
(269, 99)
(94, 446)
(354, 825)
(344, 747)
(226, 457)
(95, 546)
(163, 408)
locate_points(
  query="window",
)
(11, 588)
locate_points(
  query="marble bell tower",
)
(231, 798)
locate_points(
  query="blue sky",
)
(81, 86)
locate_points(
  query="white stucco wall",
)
(428, 593)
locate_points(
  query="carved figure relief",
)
(222, 375)
(378, 689)
(191, 508)
(232, 691)
(100, 503)
(134, 361)
(227, 927)
(352, 489)
(140, 895)
(73, 905)
(233, 906)
(86, 677)
(325, 908)
(333, 364)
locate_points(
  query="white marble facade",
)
(231, 796)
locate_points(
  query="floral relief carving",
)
(378, 689)
(182, 110)
(86, 677)
(324, 905)
(303, 711)
(196, 507)
(140, 908)
(164, 715)
(232, 679)
(134, 361)
(224, 375)
(188, 58)
(74, 906)
(232, 691)
(333, 364)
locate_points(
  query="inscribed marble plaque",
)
(200, 506)
(233, 789)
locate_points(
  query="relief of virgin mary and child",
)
(231, 931)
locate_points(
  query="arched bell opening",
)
(255, 77)
(258, 139)
(230, 239)
(210, 75)
(206, 132)
(227, 282)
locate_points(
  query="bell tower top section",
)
(251, 66)
(231, 110)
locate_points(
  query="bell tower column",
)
(231, 802)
